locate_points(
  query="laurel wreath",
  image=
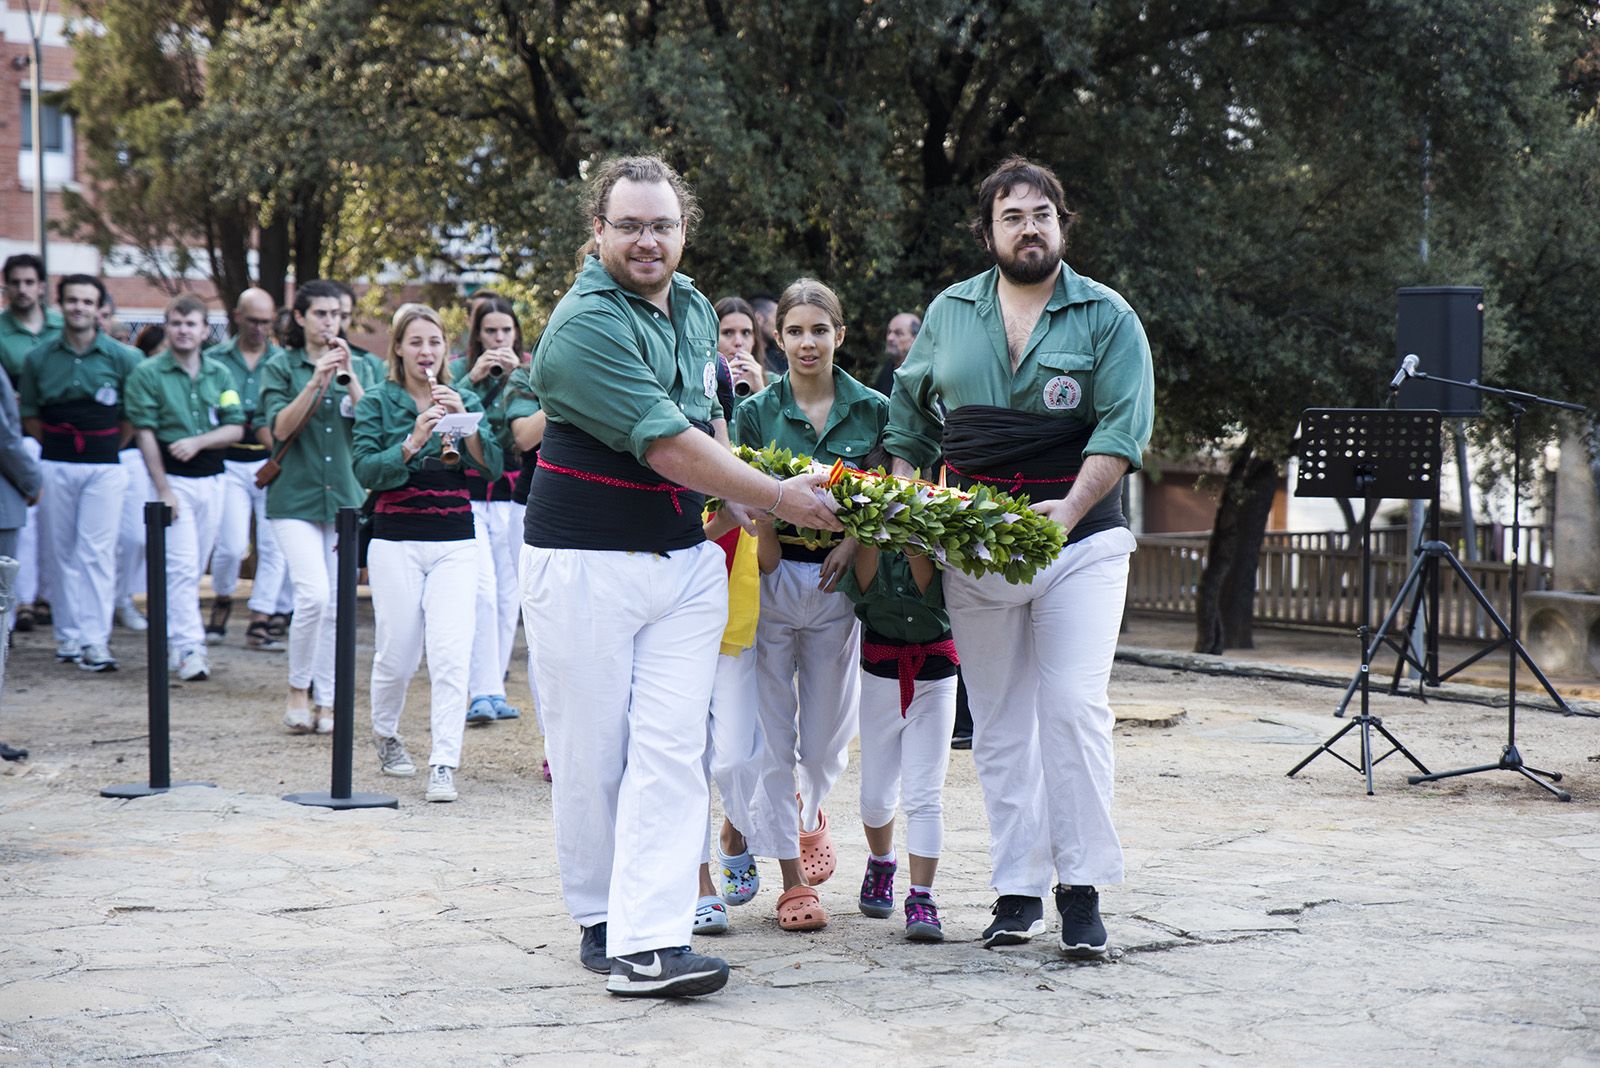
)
(979, 531)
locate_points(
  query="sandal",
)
(711, 916)
(817, 859)
(799, 909)
(258, 635)
(740, 877)
(217, 625)
(278, 624)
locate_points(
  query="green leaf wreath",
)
(979, 531)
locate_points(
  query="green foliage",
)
(979, 531)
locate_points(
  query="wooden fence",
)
(1314, 579)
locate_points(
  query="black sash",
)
(584, 495)
(81, 431)
(1019, 452)
(431, 506)
(205, 463)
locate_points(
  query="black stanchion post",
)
(157, 517)
(344, 682)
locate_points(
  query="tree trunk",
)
(1226, 594)
(310, 223)
(1238, 598)
(274, 262)
(233, 248)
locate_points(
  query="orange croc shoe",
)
(817, 859)
(799, 909)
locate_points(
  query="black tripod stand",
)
(1431, 552)
(1372, 454)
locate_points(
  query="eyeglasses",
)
(633, 229)
(1014, 222)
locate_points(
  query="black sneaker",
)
(592, 950)
(1082, 932)
(666, 973)
(1016, 920)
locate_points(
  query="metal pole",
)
(157, 517)
(348, 526)
(344, 653)
(36, 105)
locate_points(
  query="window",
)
(55, 130)
(51, 122)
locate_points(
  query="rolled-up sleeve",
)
(378, 463)
(589, 376)
(915, 429)
(1124, 393)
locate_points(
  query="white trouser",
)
(309, 550)
(33, 559)
(504, 519)
(1037, 660)
(78, 518)
(189, 541)
(624, 672)
(242, 499)
(733, 738)
(487, 677)
(904, 758)
(416, 601)
(138, 492)
(801, 629)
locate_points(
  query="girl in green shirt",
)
(805, 626)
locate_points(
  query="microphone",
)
(1408, 369)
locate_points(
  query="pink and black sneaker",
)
(877, 889)
(922, 918)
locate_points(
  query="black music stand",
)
(1373, 454)
(1510, 636)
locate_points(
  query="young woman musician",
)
(309, 392)
(423, 553)
(494, 352)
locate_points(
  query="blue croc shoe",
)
(503, 710)
(740, 877)
(481, 710)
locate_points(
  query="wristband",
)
(774, 509)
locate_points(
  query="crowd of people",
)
(670, 648)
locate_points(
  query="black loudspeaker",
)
(1443, 325)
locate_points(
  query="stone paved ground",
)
(1265, 920)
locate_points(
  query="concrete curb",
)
(1461, 693)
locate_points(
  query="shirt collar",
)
(1071, 288)
(594, 278)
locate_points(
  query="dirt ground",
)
(1264, 919)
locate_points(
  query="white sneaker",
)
(297, 717)
(193, 666)
(97, 658)
(393, 758)
(324, 720)
(441, 784)
(130, 618)
(68, 651)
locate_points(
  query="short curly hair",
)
(1017, 171)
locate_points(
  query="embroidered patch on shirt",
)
(710, 377)
(106, 395)
(1062, 393)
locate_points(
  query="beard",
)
(621, 269)
(1026, 271)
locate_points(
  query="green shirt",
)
(161, 397)
(385, 417)
(1087, 361)
(613, 365)
(496, 418)
(55, 374)
(318, 476)
(16, 341)
(855, 422)
(521, 400)
(892, 605)
(246, 381)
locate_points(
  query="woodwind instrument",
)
(449, 444)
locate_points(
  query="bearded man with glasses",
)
(1033, 379)
(628, 598)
